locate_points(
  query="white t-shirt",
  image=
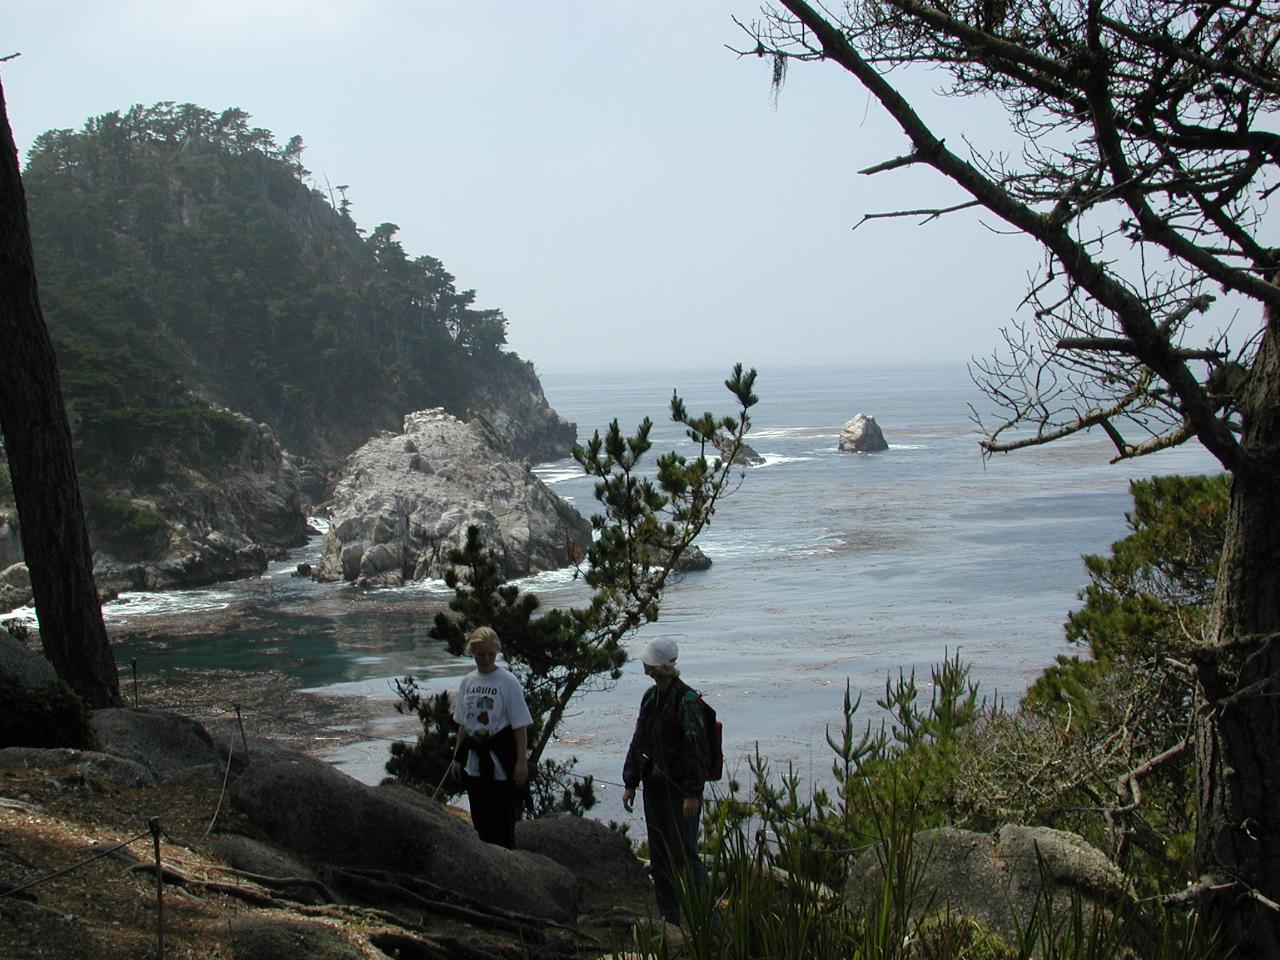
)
(490, 702)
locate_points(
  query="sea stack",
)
(405, 500)
(862, 435)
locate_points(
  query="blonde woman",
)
(491, 755)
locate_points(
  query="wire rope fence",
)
(155, 829)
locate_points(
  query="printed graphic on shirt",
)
(478, 708)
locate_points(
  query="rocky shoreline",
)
(274, 708)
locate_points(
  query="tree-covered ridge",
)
(182, 255)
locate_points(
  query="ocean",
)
(827, 568)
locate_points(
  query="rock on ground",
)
(36, 708)
(997, 878)
(254, 856)
(862, 435)
(405, 500)
(320, 814)
(93, 766)
(258, 938)
(22, 665)
(600, 859)
(165, 743)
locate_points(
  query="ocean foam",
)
(555, 473)
(782, 433)
(22, 615)
(777, 459)
(132, 604)
(547, 579)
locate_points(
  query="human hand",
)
(455, 770)
(690, 808)
(628, 799)
(522, 772)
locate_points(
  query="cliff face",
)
(220, 524)
(206, 303)
(508, 398)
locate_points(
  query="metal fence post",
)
(154, 824)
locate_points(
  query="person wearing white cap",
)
(669, 757)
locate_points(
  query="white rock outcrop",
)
(404, 500)
(862, 435)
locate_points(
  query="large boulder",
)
(998, 879)
(165, 743)
(601, 859)
(692, 559)
(746, 457)
(271, 938)
(320, 814)
(862, 435)
(38, 709)
(21, 665)
(405, 500)
(15, 587)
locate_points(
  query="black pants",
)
(673, 847)
(495, 808)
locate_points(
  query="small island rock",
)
(862, 435)
(746, 456)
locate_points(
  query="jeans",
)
(673, 847)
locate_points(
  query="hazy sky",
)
(606, 171)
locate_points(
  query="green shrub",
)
(778, 874)
(130, 531)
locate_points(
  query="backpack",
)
(715, 739)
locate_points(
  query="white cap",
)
(659, 653)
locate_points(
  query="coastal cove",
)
(827, 567)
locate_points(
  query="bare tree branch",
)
(927, 212)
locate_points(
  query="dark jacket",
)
(670, 748)
(502, 743)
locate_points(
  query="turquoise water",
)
(827, 567)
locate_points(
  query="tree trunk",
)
(1238, 728)
(38, 443)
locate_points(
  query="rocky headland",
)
(403, 501)
(187, 380)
